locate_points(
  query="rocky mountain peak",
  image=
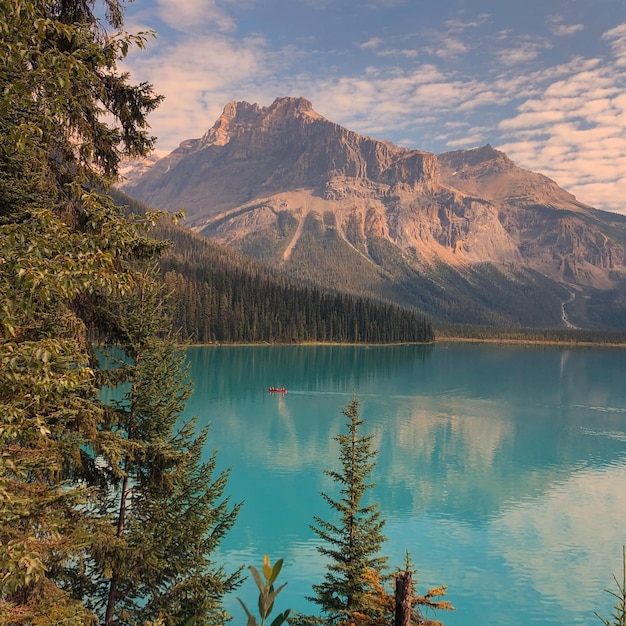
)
(293, 106)
(237, 118)
(254, 151)
(281, 181)
(234, 114)
(490, 174)
(473, 157)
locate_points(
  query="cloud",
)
(573, 131)
(194, 15)
(564, 30)
(372, 43)
(408, 53)
(450, 48)
(199, 76)
(560, 29)
(523, 53)
(617, 38)
(536, 119)
(461, 25)
(471, 140)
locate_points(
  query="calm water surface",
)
(502, 470)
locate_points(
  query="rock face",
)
(294, 189)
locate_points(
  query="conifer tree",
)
(352, 544)
(162, 511)
(66, 253)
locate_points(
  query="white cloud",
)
(564, 30)
(557, 26)
(617, 37)
(572, 130)
(461, 25)
(372, 43)
(404, 52)
(521, 54)
(536, 119)
(602, 195)
(198, 77)
(468, 141)
(450, 48)
(194, 15)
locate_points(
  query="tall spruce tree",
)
(66, 253)
(353, 543)
(162, 511)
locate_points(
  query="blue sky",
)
(542, 80)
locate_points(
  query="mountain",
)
(465, 236)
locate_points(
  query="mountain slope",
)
(217, 294)
(466, 236)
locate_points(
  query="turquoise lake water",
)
(501, 469)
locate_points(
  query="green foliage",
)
(63, 249)
(618, 617)
(267, 593)
(530, 335)
(352, 544)
(60, 66)
(84, 487)
(161, 511)
(51, 278)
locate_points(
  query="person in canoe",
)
(277, 390)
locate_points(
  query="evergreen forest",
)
(219, 295)
(216, 303)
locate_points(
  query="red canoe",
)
(277, 390)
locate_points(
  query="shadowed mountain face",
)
(466, 236)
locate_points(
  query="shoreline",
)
(539, 342)
(497, 340)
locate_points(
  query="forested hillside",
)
(220, 295)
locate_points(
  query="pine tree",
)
(61, 251)
(353, 543)
(162, 513)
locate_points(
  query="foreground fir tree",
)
(352, 544)
(66, 254)
(162, 510)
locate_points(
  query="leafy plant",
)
(267, 593)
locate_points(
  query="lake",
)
(501, 469)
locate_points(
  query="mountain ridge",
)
(286, 185)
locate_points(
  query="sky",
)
(542, 80)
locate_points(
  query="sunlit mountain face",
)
(466, 236)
